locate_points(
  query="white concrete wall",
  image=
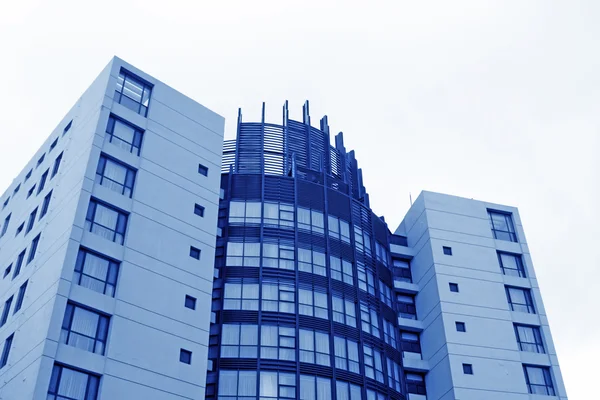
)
(149, 323)
(489, 343)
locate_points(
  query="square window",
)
(194, 252)
(461, 327)
(203, 170)
(468, 369)
(185, 356)
(447, 250)
(199, 210)
(190, 302)
(453, 287)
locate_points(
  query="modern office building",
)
(315, 298)
(107, 248)
(145, 258)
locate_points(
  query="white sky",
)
(493, 100)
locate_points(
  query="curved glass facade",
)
(302, 300)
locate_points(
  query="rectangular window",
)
(67, 127)
(520, 299)
(17, 189)
(312, 261)
(344, 311)
(311, 220)
(338, 229)
(243, 254)
(28, 175)
(20, 228)
(124, 135)
(30, 191)
(389, 333)
(115, 176)
(6, 350)
(20, 297)
(393, 371)
(539, 380)
(19, 264)
(245, 212)
(502, 226)
(313, 303)
(6, 311)
(280, 215)
(511, 264)
(381, 253)
(278, 297)
(373, 364)
(347, 391)
(240, 296)
(84, 329)
(31, 221)
(278, 342)
(71, 384)
(7, 271)
(5, 226)
(373, 395)
(277, 385)
(40, 160)
(314, 388)
(529, 338)
(278, 255)
(106, 221)
(341, 270)
(370, 323)
(314, 347)
(42, 184)
(385, 294)
(366, 279)
(56, 166)
(46, 204)
(346, 354)
(5, 202)
(239, 341)
(133, 93)
(237, 385)
(33, 249)
(53, 145)
(96, 272)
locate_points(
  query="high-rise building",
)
(107, 248)
(315, 298)
(145, 258)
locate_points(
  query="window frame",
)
(548, 387)
(139, 83)
(538, 343)
(135, 146)
(529, 304)
(101, 332)
(520, 270)
(91, 386)
(112, 272)
(126, 187)
(120, 228)
(511, 234)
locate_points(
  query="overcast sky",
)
(493, 100)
